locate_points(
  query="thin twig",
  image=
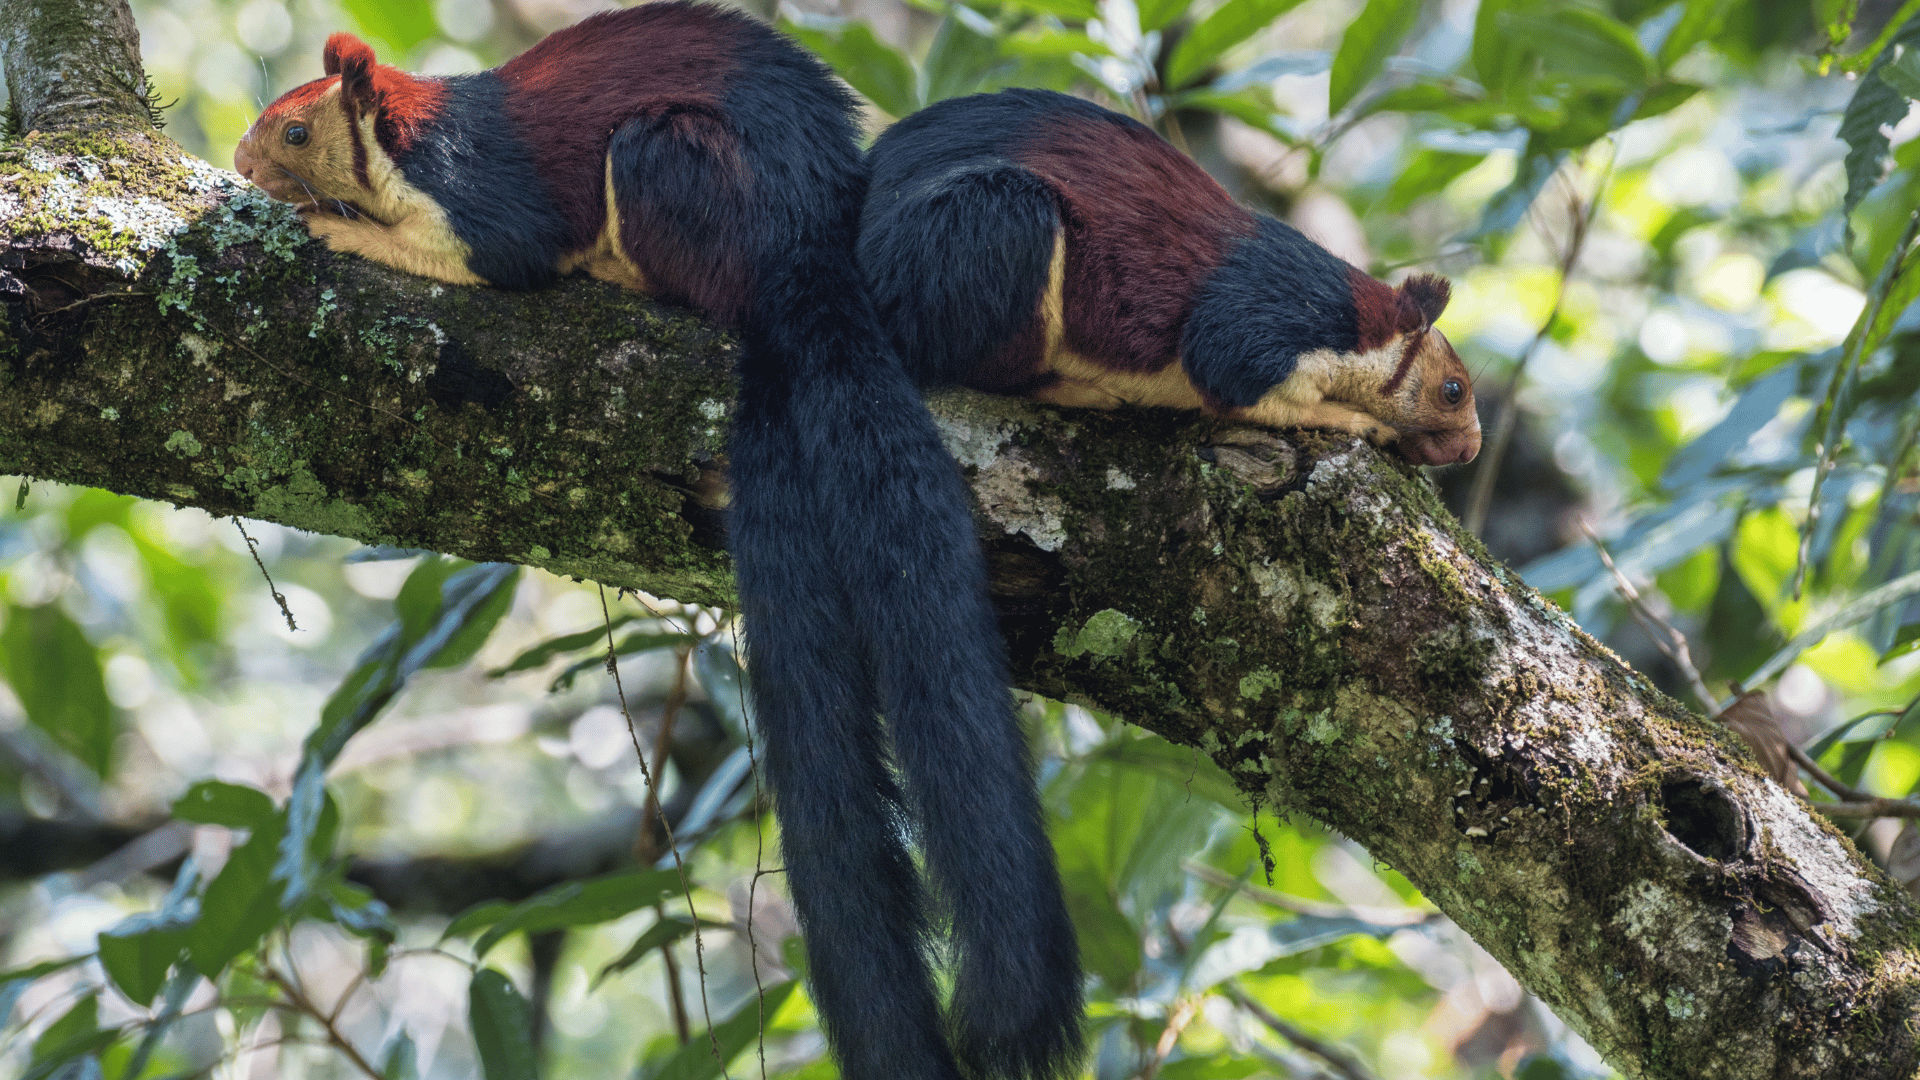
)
(253, 548)
(676, 698)
(1847, 792)
(1481, 497)
(1182, 1015)
(1830, 437)
(682, 1026)
(653, 798)
(1300, 905)
(1675, 643)
(759, 851)
(307, 1007)
(1339, 1059)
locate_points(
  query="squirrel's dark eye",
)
(296, 136)
(1451, 390)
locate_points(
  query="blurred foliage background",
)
(1681, 237)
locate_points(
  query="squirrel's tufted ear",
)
(351, 59)
(1427, 294)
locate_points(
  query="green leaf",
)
(1080, 11)
(55, 672)
(476, 622)
(697, 1061)
(484, 913)
(1428, 172)
(312, 819)
(1158, 14)
(443, 614)
(1701, 21)
(1875, 105)
(502, 1024)
(1498, 59)
(1230, 24)
(240, 905)
(581, 903)
(1251, 105)
(538, 655)
(213, 802)
(1538, 163)
(1370, 39)
(665, 931)
(402, 1060)
(959, 61)
(627, 646)
(401, 24)
(1575, 42)
(1905, 640)
(138, 952)
(14, 983)
(75, 1033)
(1903, 74)
(1665, 97)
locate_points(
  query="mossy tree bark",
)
(1300, 609)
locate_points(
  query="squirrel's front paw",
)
(1379, 434)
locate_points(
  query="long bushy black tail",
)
(865, 593)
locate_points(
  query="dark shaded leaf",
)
(539, 654)
(1875, 104)
(14, 983)
(581, 903)
(214, 802)
(868, 64)
(1538, 163)
(667, 930)
(1230, 24)
(1905, 640)
(55, 672)
(1428, 172)
(697, 1061)
(240, 905)
(626, 646)
(1577, 41)
(1370, 39)
(1758, 404)
(502, 1024)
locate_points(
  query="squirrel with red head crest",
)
(693, 154)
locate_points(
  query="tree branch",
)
(1301, 609)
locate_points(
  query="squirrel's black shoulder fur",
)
(861, 580)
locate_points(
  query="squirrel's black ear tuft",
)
(351, 59)
(1429, 293)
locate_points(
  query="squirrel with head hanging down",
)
(1032, 243)
(693, 154)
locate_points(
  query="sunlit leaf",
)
(401, 24)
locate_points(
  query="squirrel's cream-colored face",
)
(300, 150)
(1433, 407)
